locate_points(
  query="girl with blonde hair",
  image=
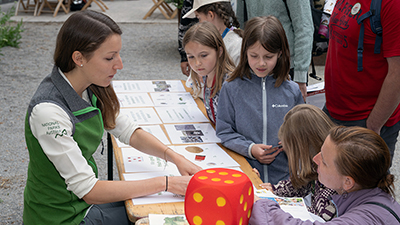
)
(302, 134)
(210, 63)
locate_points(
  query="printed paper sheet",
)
(188, 114)
(295, 206)
(121, 86)
(152, 129)
(142, 115)
(137, 161)
(135, 100)
(191, 133)
(172, 99)
(161, 197)
(206, 155)
(162, 219)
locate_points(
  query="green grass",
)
(10, 33)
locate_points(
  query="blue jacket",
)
(252, 111)
(350, 208)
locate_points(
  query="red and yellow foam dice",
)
(219, 196)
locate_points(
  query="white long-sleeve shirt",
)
(64, 151)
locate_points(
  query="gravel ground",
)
(149, 52)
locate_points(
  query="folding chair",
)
(165, 9)
(54, 7)
(97, 2)
(27, 7)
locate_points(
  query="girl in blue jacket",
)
(257, 96)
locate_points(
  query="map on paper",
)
(172, 99)
(206, 155)
(162, 219)
(142, 115)
(295, 206)
(191, 133)
(121, 86)
(152, 129)
(185, 114)
(161, 197)
(134, 100)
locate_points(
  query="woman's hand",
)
(178, 184)
(185, 167)
(265, 153)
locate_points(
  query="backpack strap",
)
(375, 20)
(385, 207)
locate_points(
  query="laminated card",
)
(172, 99)
(161, 197)
(135, 100)
(137, 161)
(206, 155)
(152, 129)
(123, 86)
(188, 114)
(191, 133)
(142, 115)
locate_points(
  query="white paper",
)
(137, 161)
(329, 5)
(121, 86)
(188, 114)
(315, 87)
(317, 99)
(206, 155)
(172, 99)
(163, 219)
(142, 115)
(152, 129)
(191, 133)
(295, 206)
(134, 100)
(161, 197)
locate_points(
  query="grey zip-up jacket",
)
(251, 111)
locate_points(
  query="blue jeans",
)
(388, 134)
(107, 214)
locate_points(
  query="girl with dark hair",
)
(257, 96)
(64, 126)
(354, 161)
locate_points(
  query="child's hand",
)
(256, 171)
(185, 67)
(267, 186)
(265, 153)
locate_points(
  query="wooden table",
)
(136, 212)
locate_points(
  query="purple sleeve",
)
(268, 212)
